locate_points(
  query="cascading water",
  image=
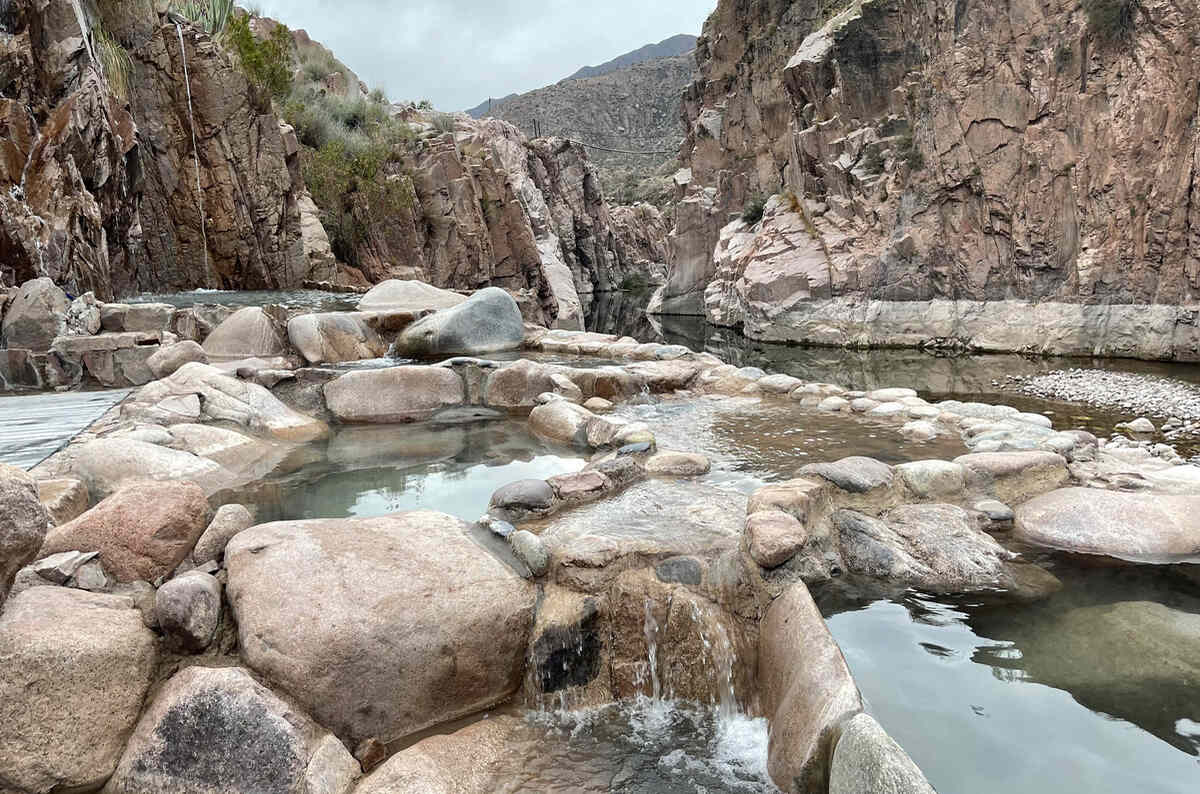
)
(195, 149)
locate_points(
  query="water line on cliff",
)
(195, 149)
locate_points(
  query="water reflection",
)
(371, 471)
(1096, 689)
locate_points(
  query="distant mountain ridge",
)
(680, 44)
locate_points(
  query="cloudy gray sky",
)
(459, 53)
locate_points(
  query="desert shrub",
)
(350, 184)
(212, 16)
(1111, 20)
(872, 161)
(443, 122)
(267, 63)
(115, 61)
(910, 152)
(752, 212)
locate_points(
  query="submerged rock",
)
(23, 522)
(417, 623)
(936, 548)
(142, 532)
(487, 322)
(74, 669)
(1128, 525)
(218, 730)
(868, 761)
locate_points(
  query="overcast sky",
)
(458, 53)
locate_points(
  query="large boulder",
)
(408, 296)
(561, 421)
(854, 474)
(35, 316)
(251, 332)
(396, 394)
(143, 531)
(218, 731)
(518, 385)
(934, 547)
(106, 464)
(807, 691)
(221, 398)
(463, 762)
(1137, 526)
(169, 358)
(868, 761)
(74, 669)
(23, 522)
(487, 322)
(380, 627)
(1013, 477)
(334, 337)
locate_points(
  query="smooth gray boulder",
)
(218, 731)
(380, 627)
(35, 316)
(1013, 477)
(521, 499)
(408, 296)
(393, 395)
(530, 550)
(335, 337)
(854, 474)
(1136, 526)
(106, 464)
(487, 322)
(169, 358)
(23, 523)
(868, 761)
(935, 547)
(188, 609)
(229, 520)
(251, 332)
(74, 670)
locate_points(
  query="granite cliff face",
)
(946, 173)
(101, 186)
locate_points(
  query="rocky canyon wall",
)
(945, 173)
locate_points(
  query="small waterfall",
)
(195, 149)
(720, 652)
(650, 629)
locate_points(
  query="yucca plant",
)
(114, 60)
(210, 15)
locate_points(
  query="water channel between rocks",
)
(1096, 689)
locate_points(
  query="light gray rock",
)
(218, 731)
(519, 500)
(152, 317)
(1140, 426)
(1013, 477)
(868, 761)
(229, 520)
(23, 523)
(996, 512)
(223, 398)
(779, 384)
(487, 322)
(250, 332)
(935, 547)
(418, 624)
(92, 577)
(335, 337)
(561, 421)
(564, 387)
(598, 405)
(677, 464)
(1137, 526)
(169, 358)
(919, 431)
(396, 394)
(74, 670)
(833, 404)
(806, 691)
(518, 385)
(83, 316)
(64, 498)
(891, 395)
(854, 474)
(410, 296)
(530, 550)
(104, 465)
(34, 317)
(862, 405)
(58, 568)
(188, 609)
(933, 479)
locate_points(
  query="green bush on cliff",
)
(1111, 20)
(352, 185)
(267, 63)
(753, 210)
